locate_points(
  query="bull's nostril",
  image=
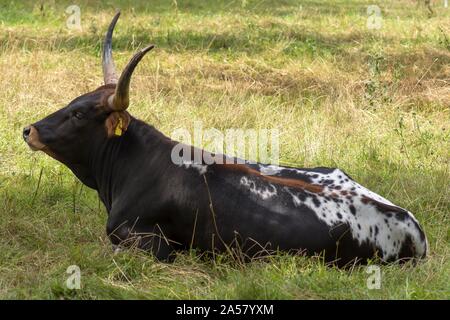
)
(26, 132)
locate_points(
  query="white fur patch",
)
(264, 193)
(342, 202)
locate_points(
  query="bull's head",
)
(68, 133)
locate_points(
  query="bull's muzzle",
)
(31, 137)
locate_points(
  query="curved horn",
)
(109, 70)
(120, 100)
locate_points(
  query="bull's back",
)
(339, 217)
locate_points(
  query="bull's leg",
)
(148, 238)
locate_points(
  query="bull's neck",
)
(113, 163)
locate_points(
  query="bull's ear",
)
(117, 123)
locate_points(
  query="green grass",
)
(375, 103)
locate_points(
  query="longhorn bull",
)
(162, 206)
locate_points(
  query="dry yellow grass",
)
(375, 103)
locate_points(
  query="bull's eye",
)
(78, 115)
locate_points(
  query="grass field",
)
(373, 102)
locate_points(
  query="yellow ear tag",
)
(119, 128)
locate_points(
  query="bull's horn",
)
(120, 99)
(109, 70)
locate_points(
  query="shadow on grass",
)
(249, 40)
(48, 236)
(29, 11)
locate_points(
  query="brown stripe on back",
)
(294, 183)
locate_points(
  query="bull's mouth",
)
(39, 147)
